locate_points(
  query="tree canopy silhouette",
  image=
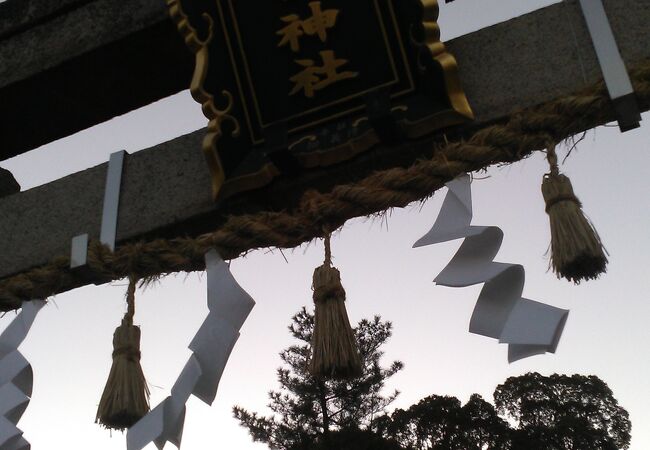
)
(530, 412)
(533, 412)
(440, 422)
(563, 412)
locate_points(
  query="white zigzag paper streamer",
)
(528, 327)
(16, 377)
(229, 306)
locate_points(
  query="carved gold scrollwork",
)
(448, 63)
(215, 115)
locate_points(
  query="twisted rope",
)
(534, 129)
(551, 157)
(328, 250)
(130, 301)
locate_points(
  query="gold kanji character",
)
(309, 80)
(318, 24)
(292, 32)
(320, 21)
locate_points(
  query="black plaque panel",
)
(289, 85)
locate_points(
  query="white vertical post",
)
(612, 65)
(112, 199)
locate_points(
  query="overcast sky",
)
(607, 333)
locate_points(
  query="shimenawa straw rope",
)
(524, 132)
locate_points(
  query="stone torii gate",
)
(129, 54)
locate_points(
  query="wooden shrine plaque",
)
(290, 85)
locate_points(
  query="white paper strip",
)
(528, 327)
(16, 378)
(229, 306)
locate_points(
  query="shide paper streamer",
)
(528, 327)
(229, 306)
(16, 377)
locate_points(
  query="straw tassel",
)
(126, 396)
(334, 347)
(576, 250)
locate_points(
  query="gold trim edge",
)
(215, 115)
(446, 60)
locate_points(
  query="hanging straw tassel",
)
(576, 250)
(126, 396)
(334, 347)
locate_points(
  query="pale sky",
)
(606, 335)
